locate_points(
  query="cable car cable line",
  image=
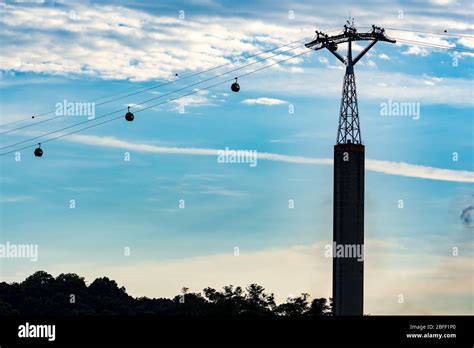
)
(432, 45)
(433, 33)
(152, 86)
(143, 109)
(128, 95)
(402, 40)
(154, 98)
(428, 32)
(18, 143)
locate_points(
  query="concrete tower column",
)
(348, 228)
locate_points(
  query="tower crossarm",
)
(349, 34)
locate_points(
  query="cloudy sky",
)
(419, 166)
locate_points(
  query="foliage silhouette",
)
(68, 295)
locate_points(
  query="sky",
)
(155, 188)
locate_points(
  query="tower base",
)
(348, 229)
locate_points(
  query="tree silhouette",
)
(319, 306)
(68, 295)
(228, 302)
(294, 306)
(257, 302)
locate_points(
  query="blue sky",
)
(52, 51)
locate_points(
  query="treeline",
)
(68, 295)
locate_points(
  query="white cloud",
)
(428, 39)
(327, 64)
(15, 199)
(264, 101)
(383, 56)
(417, 51)
(192, 101)
(371, 63)
(114, 42)
(81, 189)
(220, 191)
(417, 171)
(466, 42)
(443, 2)
(398, 86)
(134, 106)
(323, 60)
(385, 167)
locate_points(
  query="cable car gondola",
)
(235, 86)
(129, 116)
(38, 151)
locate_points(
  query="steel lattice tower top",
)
(348, 131)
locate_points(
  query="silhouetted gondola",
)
(39, 151)
(129, 116)
(235, 86)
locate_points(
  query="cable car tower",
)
(349, 170)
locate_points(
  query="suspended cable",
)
(222, 74)
(445, 33)
(143, 109)
(432, 33)
(148, 100)
(166, 83)
(432, 45)
(153, 85)
(258, 61)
